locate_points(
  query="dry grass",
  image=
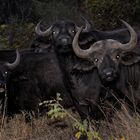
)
(40, 129)
(123, 126)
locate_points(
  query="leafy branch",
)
(57, 111)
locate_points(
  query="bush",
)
(17, 35)
(53, 10)
(106, 13)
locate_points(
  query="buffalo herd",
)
(85, 65)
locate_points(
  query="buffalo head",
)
(5, 68)
(107, 55)
(62, 32)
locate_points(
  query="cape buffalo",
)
(37, 78)
(107, 57)
(74, 68)
(59, 34)
(6, 69)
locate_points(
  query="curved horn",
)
(41, 33)
(133, 38)
(80, 52)
(87, 25)
(15, 63)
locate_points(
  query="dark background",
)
(19, 17)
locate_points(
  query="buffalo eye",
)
(54, 32)
(127, 57)
(6, 72)
(118, 56)
(96, 60)
(71, 30)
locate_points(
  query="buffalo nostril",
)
(109, 73)
(64, 40)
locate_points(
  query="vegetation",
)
(17, 23)
(13, 37)
(106, 13)
(59, 124)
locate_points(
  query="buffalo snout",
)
(108, 74)
(64, 40)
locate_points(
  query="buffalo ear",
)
(130, 58)
(83, 66)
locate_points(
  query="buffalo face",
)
(106, 55)
(62, 33)
(107, 61)
(5, 69)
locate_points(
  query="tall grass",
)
(122, 126)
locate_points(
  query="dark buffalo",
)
(88, 38)
(121, 34)
(107, 57)
(37, 78)
(61, 40)
(74, 68)
(60, 33)
(6, 69)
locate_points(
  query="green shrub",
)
(106, 13)
(17, 35)
(56, 111)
